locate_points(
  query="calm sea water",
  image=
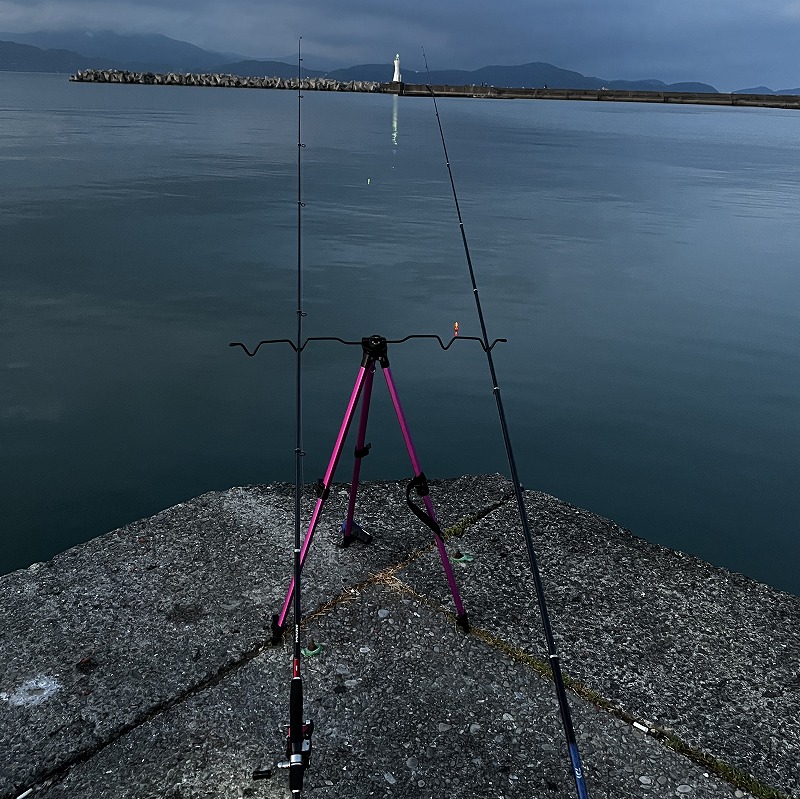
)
(641, 260)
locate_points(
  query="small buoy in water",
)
(455, 328)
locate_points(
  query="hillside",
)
(767, 90)
(146, 50)
(16, 57)
(68, 51)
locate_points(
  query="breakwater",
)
(219, 80)
(138, 664)
(601, 95)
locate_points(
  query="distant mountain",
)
(532, 75)
(146, 50)
(64, 51)
(540, 74)
(766, 90)
(25, 58)
(755, 90)
(272, 69)
(659, 86)
(382, 73)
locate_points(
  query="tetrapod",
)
(375, 350)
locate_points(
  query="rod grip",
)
(296, 778)
(296, 711)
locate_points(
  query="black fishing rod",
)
(298, 743)
(558, 680)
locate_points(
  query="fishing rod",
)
(558, 680)
(298, 739)
(298, 745)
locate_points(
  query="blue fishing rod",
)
(558, 680)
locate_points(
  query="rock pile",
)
(222, 80)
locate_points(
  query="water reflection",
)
(394, 121)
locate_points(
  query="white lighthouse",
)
(396, 78)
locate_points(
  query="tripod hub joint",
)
(375, 348)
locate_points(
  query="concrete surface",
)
(139, 664)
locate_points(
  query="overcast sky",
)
(730, 44)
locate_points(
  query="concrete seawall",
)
(602, 95)
(139, 664)
(421, 90)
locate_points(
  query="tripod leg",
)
(461, 615)
(279, 620)
(350, 529)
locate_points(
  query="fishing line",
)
(558, 680)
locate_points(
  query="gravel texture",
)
(139, 664)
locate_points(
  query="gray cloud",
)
(729, 43)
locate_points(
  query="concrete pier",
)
(423, 90)
(601, 95)
(139, 664)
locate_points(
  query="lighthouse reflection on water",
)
(396, 78)
(394, 122)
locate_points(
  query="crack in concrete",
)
(58, 773)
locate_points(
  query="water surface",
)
(641, 260)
